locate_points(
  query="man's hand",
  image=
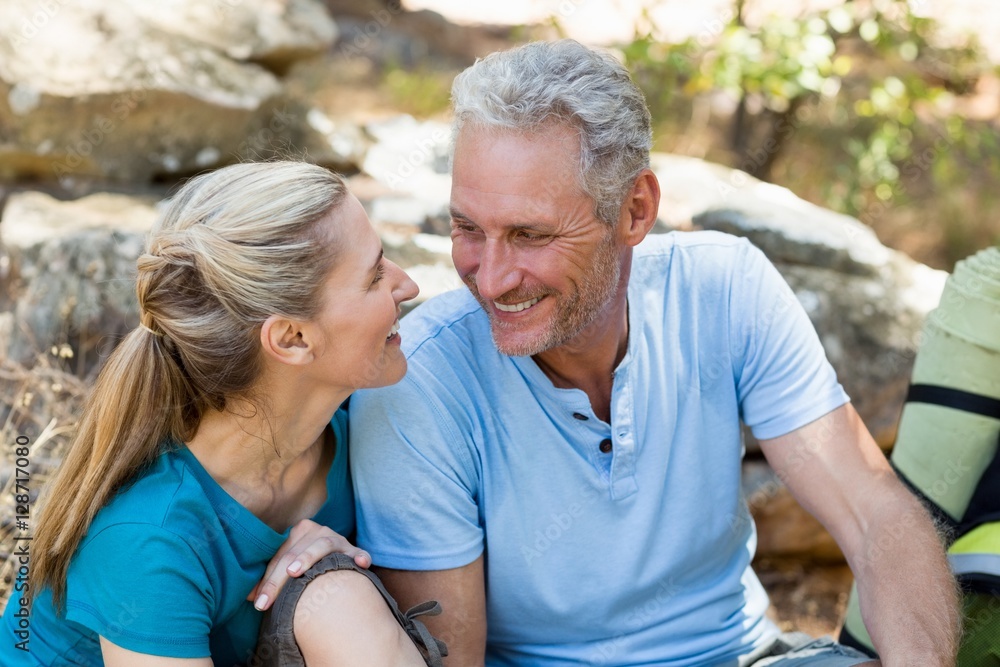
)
(307, 543)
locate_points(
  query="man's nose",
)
(497, 273)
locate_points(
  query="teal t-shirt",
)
(165, 569)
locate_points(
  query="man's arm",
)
(462, 594)
(908, 597)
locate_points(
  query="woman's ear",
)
(286, 341)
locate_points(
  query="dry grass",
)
(42, 403)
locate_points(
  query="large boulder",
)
(132, 90)
(71, 277)
(67, 278)
(275, 33)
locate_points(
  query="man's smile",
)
(516, 307)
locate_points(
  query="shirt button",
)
(577, 415)
(605, 446)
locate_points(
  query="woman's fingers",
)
(307, 543)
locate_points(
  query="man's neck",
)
(589, 359)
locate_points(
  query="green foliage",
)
(421, 92)
(865, 77)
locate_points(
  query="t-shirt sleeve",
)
(415, 481)
(783, 378)
(142, 588)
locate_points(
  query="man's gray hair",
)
(565, 82)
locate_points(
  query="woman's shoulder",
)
(166, 495)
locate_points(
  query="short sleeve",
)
(142, 588)
(415, 481)
(783, 378)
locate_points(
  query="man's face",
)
(525, 238)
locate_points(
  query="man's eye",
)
(529, 236)
(463, 226)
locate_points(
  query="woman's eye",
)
(379, 274)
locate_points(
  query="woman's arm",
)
(116, 656)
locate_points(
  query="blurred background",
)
(855, 141)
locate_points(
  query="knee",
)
(342, 619)
(332, 596)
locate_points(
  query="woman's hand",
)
(306, 545)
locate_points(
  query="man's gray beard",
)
(597, 290)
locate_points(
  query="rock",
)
(337, 144)
(411, 157)
(69, 277)
(788, 229)
(390, 35)
(433, 279)
(275, 33)
(867, 302)
(806, 596)
(425, 257)
(73, 272)
(132, 90)
(404, 210)
(31, 218)
(408, 178)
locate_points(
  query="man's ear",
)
(640, 208)
(286, 341)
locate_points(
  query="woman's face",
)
(358, 341)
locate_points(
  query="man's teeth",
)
(516, 307)
(394, 331)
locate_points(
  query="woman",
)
(208, 444)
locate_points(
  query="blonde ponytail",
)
(233, 247)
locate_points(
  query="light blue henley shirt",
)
(633, 554)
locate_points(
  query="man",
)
(561, 465)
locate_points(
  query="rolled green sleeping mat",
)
(946, 447)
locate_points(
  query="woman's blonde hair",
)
(233, 247)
